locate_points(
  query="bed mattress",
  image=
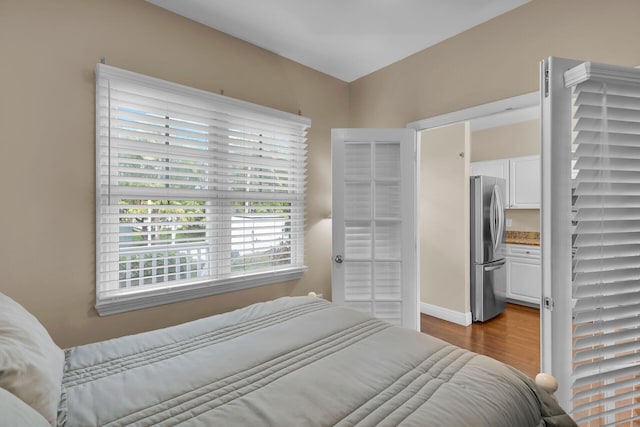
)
(297, 361)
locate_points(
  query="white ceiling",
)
(346, 39)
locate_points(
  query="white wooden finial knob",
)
(547, 382)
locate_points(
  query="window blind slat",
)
(614, 414)
(181, 113)
(606, 226)
(608, 367)
(605, 239)
(613, 151)
(621, 113)
(607, 214)
(603, 264)
(605, 189)
(586, 291)
(615, 126)
(195, 103)
(596, 137)
(603, 303)
(608, 351)
(606, 338)
(633, 394)
(607, 164)
(612, 177)
(606, 200)
(589, 253)
(595, 98)
(606, 276)
(132, 139)
(606, 388)
(600, 326)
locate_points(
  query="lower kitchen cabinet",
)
(524, 276)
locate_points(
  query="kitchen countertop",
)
(523, 238)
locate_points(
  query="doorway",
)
(485, 138)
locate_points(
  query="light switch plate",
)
(509, 222)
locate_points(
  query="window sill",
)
(129, 301)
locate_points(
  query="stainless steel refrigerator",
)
(488, 266)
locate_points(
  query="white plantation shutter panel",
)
(373, 228)
(606, 267)
(195, 190)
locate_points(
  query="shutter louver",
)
(606, 261)
(193, 188)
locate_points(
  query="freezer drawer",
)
(488, 290)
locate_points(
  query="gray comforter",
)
(294, 362)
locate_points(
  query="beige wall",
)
(524, 219)
(513, 140)
(496, 60)
(49, 51)
(444, 231)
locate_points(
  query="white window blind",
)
(606, 265)
(197, 193)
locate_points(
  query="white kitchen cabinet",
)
(524, 276)
(524, 182)
(522, 176)
(499, 168)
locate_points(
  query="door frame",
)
(505, 111)
(510, 110)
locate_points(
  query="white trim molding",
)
(600, 72)
(504, 106)
(457, 317)
(130, 301)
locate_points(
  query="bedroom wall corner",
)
(47, 165)
(444, 217)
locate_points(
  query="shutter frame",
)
(606, 267)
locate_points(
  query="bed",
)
(294, 361)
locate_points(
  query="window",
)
(197, 193)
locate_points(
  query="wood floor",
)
(513, 337)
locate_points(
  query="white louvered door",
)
(374, 217)
(599, 372)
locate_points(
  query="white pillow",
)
(31, 364)
(17, 413)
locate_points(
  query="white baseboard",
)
(458, 317)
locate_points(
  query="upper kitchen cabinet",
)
(522, 175)
(499, 168)
(524, 182)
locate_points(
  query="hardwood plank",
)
(512, 337)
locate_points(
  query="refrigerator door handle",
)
(492, 218)
(500, 211)
(494, 266)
